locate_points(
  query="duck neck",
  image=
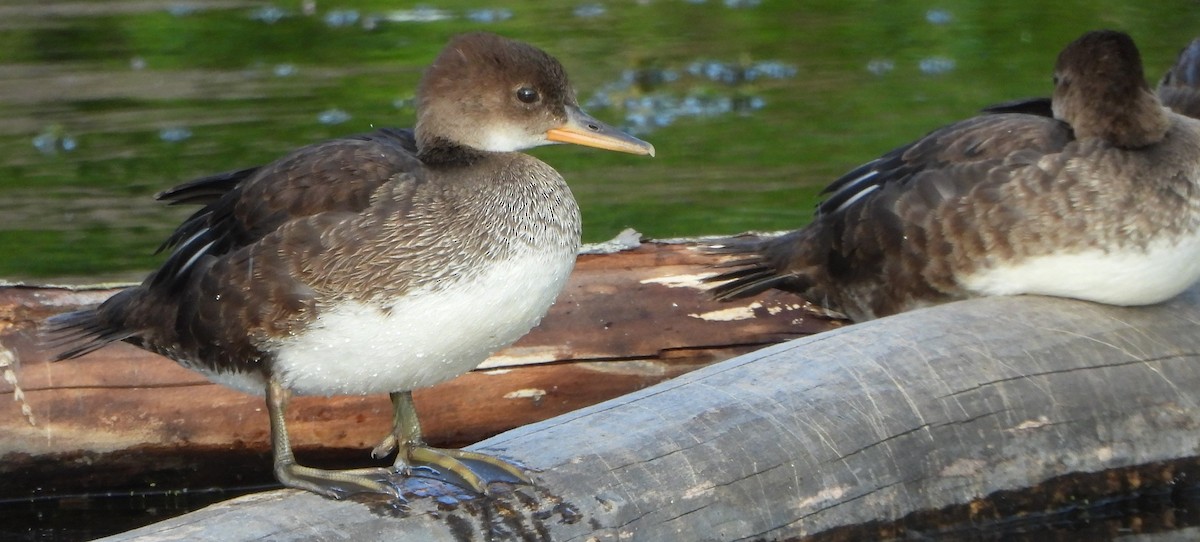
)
(1145, 122)
(1134, 124)
(443, 153)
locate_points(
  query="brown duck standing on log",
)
(373, 264)
(1098, 202)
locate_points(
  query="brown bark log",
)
(627, 320)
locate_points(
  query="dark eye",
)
(527, 95)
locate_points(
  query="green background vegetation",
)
(112, 74)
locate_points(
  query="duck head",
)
(1101, 91)
(489, 93)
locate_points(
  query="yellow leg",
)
(329, 483)
(406, 435)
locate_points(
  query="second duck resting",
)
(1100, 202)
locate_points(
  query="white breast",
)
(1127, 276)
(424, 337)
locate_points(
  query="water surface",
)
(753, 105)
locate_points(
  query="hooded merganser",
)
(376, 263)
(1099, 202)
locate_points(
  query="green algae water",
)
(754, 105)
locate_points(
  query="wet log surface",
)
(927, 410)
(124, 419)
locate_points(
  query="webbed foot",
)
(413, 452)
(338, 484)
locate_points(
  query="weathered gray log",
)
(870, 422)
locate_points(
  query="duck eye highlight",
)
(527, 95)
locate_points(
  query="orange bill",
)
(582, 129)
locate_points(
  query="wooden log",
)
(923, 410)
(629, 318)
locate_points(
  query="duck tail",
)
(757, 267)
(74, 334)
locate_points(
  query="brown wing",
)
(852, 245)
(315, 185)
(206, 190)
(1040, 107)
(334, 176)
(977, 139)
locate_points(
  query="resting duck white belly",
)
(1126, 276)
